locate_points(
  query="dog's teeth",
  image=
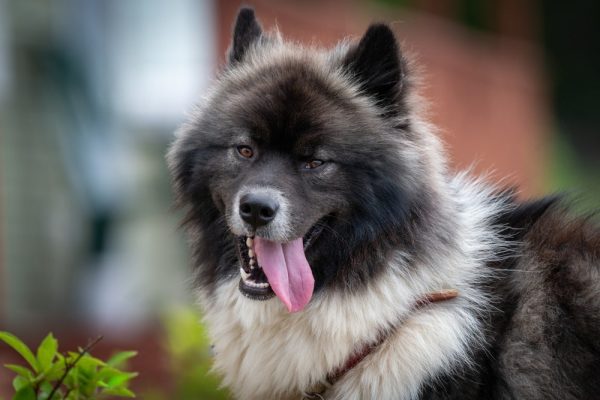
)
(249, 242)
(244, 274)
(250, 253)
(261, 285)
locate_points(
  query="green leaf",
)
(71, 379)
(107, 373)
(20, 348)
(25, 393)
(19, 369)
(45, 389)
(19, 383)
(102, 384)
(120, 379)
(119, 391)
(118, 359)
(47, 351)
(87, 359)
(57, 370)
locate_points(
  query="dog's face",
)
(292, 150)
(279, 170)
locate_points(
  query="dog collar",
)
(361, 353)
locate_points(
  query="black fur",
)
(246, 31)
(354, 233)
(543, 335)
(542, 331)
(518, 220)
(295, 119)
(377, 64)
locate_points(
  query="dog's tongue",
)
(287, 270)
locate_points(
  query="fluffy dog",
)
(337, 256)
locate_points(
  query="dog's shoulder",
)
(550, 348)
(543, 334)
(558, 266)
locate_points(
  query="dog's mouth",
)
(271, 268)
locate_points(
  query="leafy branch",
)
(69, 366)
(51, 375)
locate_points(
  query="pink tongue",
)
(287, 270)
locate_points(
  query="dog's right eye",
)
(312, 164)
(245, 151)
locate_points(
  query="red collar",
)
(361, 353)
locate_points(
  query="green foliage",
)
(567, 173)
(189, 348)
(51, 375)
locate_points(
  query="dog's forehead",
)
(288, 104)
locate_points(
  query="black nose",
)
(258, 209)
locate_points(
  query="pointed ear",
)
(377, 65)
(246, 31)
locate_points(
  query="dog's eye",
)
(312, 164)
(245, 151)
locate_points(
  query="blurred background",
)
(91, 92)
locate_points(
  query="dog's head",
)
(301, 158)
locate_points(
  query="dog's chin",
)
(253, 282)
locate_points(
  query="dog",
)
(338, 257)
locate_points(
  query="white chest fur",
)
(262, 351)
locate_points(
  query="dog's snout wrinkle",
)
(258, 209)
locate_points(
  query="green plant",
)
(50, 375)
(188, 346)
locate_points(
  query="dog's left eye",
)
(312, 164)
(245, 151)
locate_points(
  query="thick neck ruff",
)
(263, 351)
(362, 352)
